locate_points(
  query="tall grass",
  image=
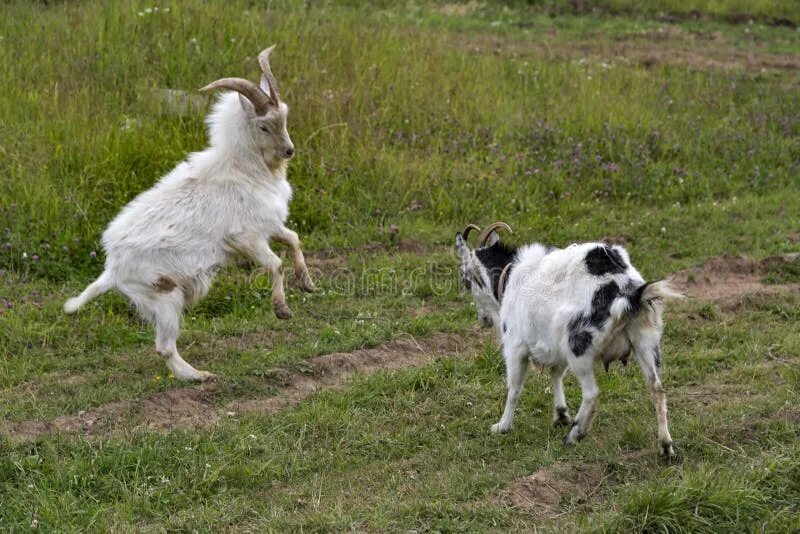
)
(386, 116)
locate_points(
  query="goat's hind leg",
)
(164, 310)
(560, 410)
(582, 368)
(516, 358)
(648, 355)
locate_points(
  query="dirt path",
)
(667, 45)
(725, 278)
(193, 407)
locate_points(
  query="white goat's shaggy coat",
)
(566, 309)
(165, 247)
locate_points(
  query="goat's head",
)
(265, 110)
(482, 269)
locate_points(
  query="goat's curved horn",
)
(263, 61)
(491, 228)
(254, 94)
(468, 229)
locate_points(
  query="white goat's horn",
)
(491, 228)
(468, 229)
(254, 94)
(263, 60)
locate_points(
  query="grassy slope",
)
(394, 109)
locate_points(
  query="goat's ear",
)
(247, 106)
(492, 239)
(461, 247)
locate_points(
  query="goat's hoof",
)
(497, 428)
(205, 376)
(667, 452)
(573, 436)
(305, 283)
(561, 418)
(282, 311)
(196, 376)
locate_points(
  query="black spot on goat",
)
(601, 304)
(494, 259)
(604, 260)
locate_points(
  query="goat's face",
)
(265, 111)
(474, 276)
(271, 135)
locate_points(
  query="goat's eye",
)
(264, 129)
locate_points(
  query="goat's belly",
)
(618, 348)
(544, 355)
(137, 264)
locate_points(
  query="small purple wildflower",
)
(610, 167)
(93, 254)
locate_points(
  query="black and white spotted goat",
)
(566, 308)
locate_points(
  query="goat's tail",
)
(103, 283)
(661, 290)
(646, 298)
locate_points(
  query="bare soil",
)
(667, 45)
(724, 278)
(547, 491)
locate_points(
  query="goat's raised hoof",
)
(305, 283)
(281, 310)
(497, 428)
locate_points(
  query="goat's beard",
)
(273, 163)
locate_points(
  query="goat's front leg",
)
(256, 248)
(516, 358)
(291, 240)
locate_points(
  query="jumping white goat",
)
(567, 308)
(165, 247)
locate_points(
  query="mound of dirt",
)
(334, 370)
(544, 492)
(725, 277)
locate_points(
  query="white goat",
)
(165, 247)
(567, 308)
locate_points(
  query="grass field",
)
(673, 127)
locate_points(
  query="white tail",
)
(661, 290)
(95, 289)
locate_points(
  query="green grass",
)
(426, 116)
